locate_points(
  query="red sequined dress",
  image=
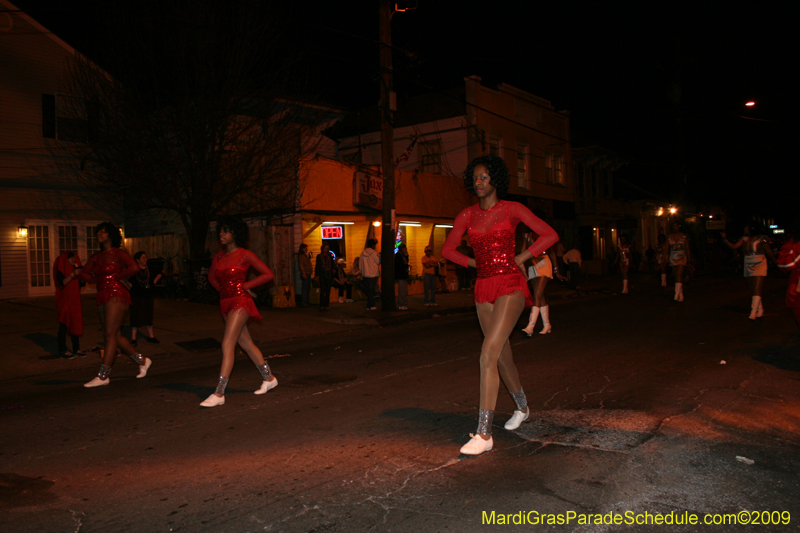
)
(228, 275)
(492, 237)
(107, 269)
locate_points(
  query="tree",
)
(196, 111)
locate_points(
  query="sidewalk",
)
(28, 326)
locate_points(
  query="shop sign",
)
(332, 232)
(368, 190)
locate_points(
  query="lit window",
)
(522, 164)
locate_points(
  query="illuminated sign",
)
(773, 226)
(368, 190)
(776, 231)
(332, 232)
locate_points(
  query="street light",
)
(751, 103)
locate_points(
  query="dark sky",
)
(615, 66)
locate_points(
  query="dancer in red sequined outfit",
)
(228, 275)
(107, 268)
(501, 291)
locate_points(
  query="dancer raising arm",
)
(107, 268)
(756, 251)
(501, 291)
(228, 273)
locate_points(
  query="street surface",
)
(632, 411)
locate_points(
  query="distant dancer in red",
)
(107, 268)
(228, 275)
(789, 260)
(66, 273)
(501, 290)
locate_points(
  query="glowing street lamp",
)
(751, 103)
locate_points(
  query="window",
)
(39, 250)
(351, 156)
(554, 168)
(67, 239)
(67, 119)
(92, 246)
(430, 156)
(522, 164)
(495, 146)
(558, 169)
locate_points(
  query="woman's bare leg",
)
(497, 321)
(111, 315)
(255, 355)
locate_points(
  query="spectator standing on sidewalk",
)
(324, 274)
(429, 277)
(369, 265)
(463, 273)
(306, 272)
(340, 282)
(573, 261)
(142, 298)
(401, 275)
(66, 272)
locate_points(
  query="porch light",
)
(22, 231)
(377, 223)
(673, 210)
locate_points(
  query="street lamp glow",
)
(673, 210)
(377, 224)
(750, 103)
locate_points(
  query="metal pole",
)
(387, 157)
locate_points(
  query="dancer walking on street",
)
(679, 257)
(228, 275)
(756, 251)
(107, 268)
(540, 271)
(501, 291)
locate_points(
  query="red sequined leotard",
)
(107, 269)
(228, 274)
(491, 234)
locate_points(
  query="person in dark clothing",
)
(463, 273)
(324, 274)
(401, 276)
(341, 283)
(142, 298)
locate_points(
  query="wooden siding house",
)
(42, 212)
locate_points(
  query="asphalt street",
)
(641, 405)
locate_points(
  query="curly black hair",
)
(497, 171)
(113, 233)
(138, 254)
(234, 225)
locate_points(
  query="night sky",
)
(615, 66)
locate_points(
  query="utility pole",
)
(387, 157)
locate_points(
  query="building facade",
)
(42, 212)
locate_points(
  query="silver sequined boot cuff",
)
(137, 358)
(485, 418)
(221, 384)
(520, 400)
(266, 373)
(105, 371)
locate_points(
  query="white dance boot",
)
(754, 304)
(532, 321)
(267, 386)
(546, 327)
(760, 311)
(679, 292)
